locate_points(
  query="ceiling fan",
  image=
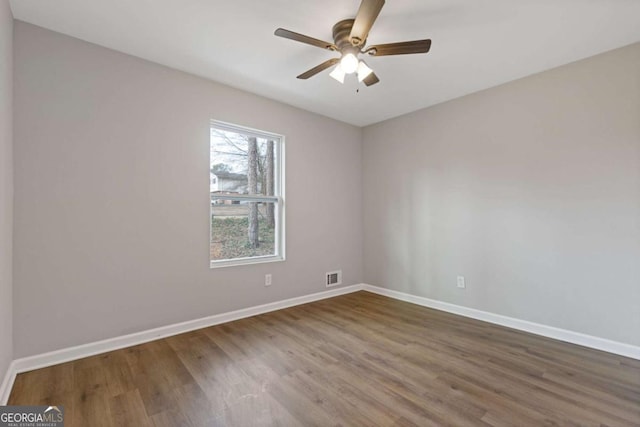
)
(350, 37)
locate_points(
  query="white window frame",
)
(277, 199)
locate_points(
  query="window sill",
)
(245, 261)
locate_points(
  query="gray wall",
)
(6, 185)
(531, 190)
(112, 195)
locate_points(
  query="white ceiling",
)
(476, 43)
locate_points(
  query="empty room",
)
(319, 213)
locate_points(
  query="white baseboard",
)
(7, 383)
(85, 350)
(590, 341)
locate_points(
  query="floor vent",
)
(334, 278)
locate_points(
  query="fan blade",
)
(315, 70)
(402, 48)
(371, 79)
(281, 32)
(367, 14)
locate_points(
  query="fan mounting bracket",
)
(342, 35)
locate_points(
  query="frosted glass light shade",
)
(338, 73)
(363, 71)
(349, 63)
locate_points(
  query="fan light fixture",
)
(361, 69)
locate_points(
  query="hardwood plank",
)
(41, 384)
(358, 359)
(127, 409)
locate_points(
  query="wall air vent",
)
(334, 278)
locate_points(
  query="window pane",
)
(242, 164)
(241, 229)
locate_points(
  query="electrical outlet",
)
(461, 283)
(267, 279)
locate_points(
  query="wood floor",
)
(354, 360)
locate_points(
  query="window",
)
(246, 190)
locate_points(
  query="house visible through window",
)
(246, 189)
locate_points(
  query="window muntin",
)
(246, 192)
